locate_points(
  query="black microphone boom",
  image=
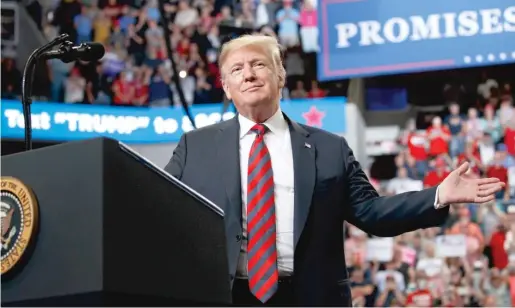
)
(69, 53)
(26, 85)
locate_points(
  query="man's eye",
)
(259, 64)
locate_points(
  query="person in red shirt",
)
(113, 9)
(436, 176)
(497, 170)
(472, 156)
(414, 141)
(417, 146)
(214, 72)
(419, 298)
(422, 296)
(509, 137)
(183, 47)
(140, 89)
(498, 253)
(123, 89)
(439, 137)
(315, 91)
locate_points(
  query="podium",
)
(114, 230)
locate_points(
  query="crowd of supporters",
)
(136, 69)
(477, 268)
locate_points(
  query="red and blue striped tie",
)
(261, 246)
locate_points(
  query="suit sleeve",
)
(178, 160)
(386, 216)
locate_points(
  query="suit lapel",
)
(228, 154)
(304, 167)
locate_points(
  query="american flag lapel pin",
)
(307, 145)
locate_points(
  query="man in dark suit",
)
(287, 188)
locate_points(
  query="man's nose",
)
(248, 73)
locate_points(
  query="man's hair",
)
(268, 43)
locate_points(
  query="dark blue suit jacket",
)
(330, 187)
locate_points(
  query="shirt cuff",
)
(437, 204)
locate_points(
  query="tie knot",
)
(259, 129)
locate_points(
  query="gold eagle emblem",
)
(19, 213)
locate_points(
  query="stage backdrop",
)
(378, 37)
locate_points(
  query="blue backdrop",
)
(66, 122)
(378, 37)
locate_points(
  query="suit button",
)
(231, 277)
(238, 238)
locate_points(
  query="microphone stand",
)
(26, 85)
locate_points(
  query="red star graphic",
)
(313, 117)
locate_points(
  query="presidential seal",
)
(20, 214)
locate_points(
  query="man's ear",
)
(281, 78)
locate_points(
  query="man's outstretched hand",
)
(459, 187)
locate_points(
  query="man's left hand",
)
(458, 187)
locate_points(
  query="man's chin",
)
(255, 100)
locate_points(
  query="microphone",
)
(69, 53)
(26, 84)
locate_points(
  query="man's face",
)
(437, 121)
(454, 109)
(250, 78)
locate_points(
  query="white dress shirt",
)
(278, 142)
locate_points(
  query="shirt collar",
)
(276, 123)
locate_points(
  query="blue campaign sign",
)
(67, 122)
(377, 37)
